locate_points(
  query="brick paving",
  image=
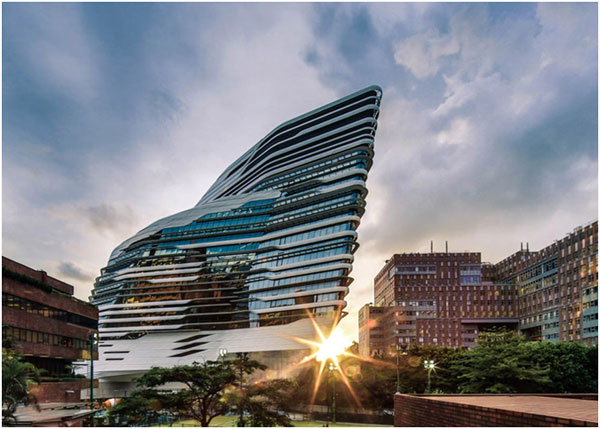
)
(523, 410)
(556, 407)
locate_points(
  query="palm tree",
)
(17, 378)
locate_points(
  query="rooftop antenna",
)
(431, 246)
(446, 246)
(521, 246)
(528, 246)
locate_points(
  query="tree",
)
(503, 362)
(202, 396)
(265, 402)
(573, 367)
(133, 410)
(209, 390)
(243, 366)
(17, 378)
(353, 348)
(305, 379)
(442, 356)
(374, 384)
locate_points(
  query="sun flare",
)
(328, 349)
(331, 347)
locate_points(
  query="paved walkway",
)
(52, 414)
(566, 408)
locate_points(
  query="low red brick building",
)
(47, 324)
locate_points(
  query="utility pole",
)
(242, 358)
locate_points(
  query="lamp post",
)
(429, 366)
(398, 390)
(332, 372)
(243, 358)
(92, 341)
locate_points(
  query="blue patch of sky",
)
(133, 47)
(511, 11)
(549, 145)
(369, 55)
(140, 41)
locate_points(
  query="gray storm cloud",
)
(487, 135)
(71, 271)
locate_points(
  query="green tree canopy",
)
(204, 391)
(200, 397)
(573, 367)
(264, 402)
(502, 362)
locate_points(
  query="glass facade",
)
(270, 243)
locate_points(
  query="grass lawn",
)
(231, 421)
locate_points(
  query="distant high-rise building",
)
(371, 330)
(448, 298)
(558, 287)
(440, 299)
(268, 246)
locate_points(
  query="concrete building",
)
(266, 250)
(47, 324)
(448, 298)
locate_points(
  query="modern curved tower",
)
(269, 245)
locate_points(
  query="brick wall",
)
(35, 322)
(412, 410)
(24, 290)
(58, 391)
(40, 276)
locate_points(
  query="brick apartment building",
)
(46, 323)
(558, 287)
(436, 298)
(446, 298)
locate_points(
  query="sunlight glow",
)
(329, 349)
(332, 347)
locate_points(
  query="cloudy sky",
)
(115, 115)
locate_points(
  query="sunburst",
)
(329, 348)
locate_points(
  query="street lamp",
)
(242, 359)
(429, 366)
(91, 341)
(331, 371)
(223, 353)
